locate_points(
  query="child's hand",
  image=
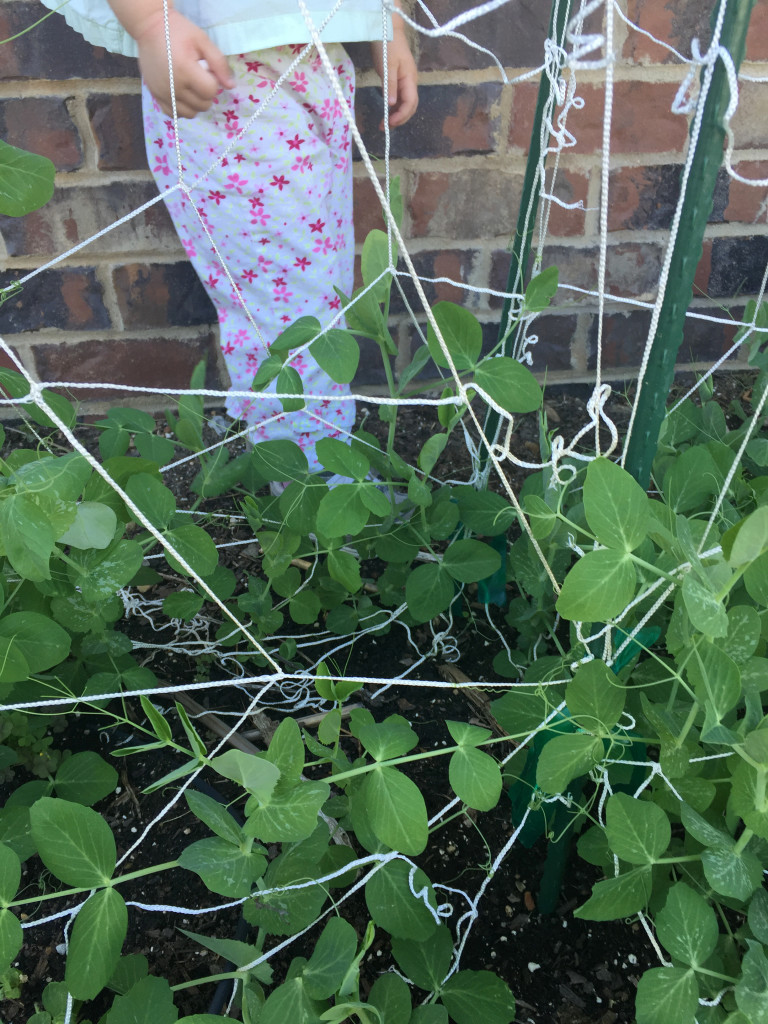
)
(401, 76)
(195, 84)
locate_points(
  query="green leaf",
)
(475, 778)
(15, 831)
(345, 569)
(305, 607)
(691, 480)
(214, 815)
(195, 546)
(255, 774)
(509, 384)
(595, 698)
(374, 261)
(153, 498)
(184, 604)
(94, 527)
(426, 963)
(42, 642)
(338, 457)
(716, 678)
(287, 912)
(392, 998)
(757, 917)
(705, 610)
(85, 778)
(752, 987)
(289, 382)
(105, 572)
(396, 810)
(74, 842)
(14, 667)
(26, 181)
(239, 953)
(342, 512)
(433, 1013)
(462, 334)
(431, 451)
(638, 831)
(224, 868)
(599, 586)
(731, 874)
(615, 505)
(618, 897)
(338, 353)
(94, 946)
(395, 908)
(129, 970)
(149, 1001)
(429, 590)
(485, 512)
(472, 996)
(28, 537)
(11, 938)
(756, 580)
(10, 874)
(332, 956)
(286, 751)
(687, 926)
(565, 758)
(747, 540)
(287, 817)
(666, 995)
(471, 560)
(384, 740)
(541, 290)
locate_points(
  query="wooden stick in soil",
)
(220, 728)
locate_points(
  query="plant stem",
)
(742, 841)
(209, 980)
(112, 882)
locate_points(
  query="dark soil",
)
(561, 970)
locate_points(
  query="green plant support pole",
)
(529, 202)
(695, 212)
(493, 590)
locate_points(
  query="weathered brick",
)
(159, 362)
(552, 350)
(42, 125)
(451, 120)
(514, 33)
(160, 294)
(675, 22)
(116, 122)
(51, 50)
(643, 198)
(465, 204)
(642, 121)
(738, 265)
(455, 265)
(747, 203)
(75, 214)
(749, 124)
(7, 363)
(570, 187)
(625, 336)
(69, 299)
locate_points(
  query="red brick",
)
(368, 214)
(154, 295)
(75, 214)
(454, 264)
(738, 265)
(42, 125)
(465, 204)
(570, 187)
(703, 270)
(747, 203)
(451, 120)
(514, 33)
(675, 22)
(69, 299)
(116, 122)
(757, 36)
(642, 122)
(147, 362)
(51, 50)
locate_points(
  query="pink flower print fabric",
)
(278, 207)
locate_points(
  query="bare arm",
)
(195, 84)
(401, 75)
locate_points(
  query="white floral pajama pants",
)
(278, 207)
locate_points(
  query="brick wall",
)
(128, 307)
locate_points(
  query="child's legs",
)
(279, 209)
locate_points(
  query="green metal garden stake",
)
(492, 590)
(694, 214)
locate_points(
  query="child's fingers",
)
(406, 101)
(218, 65)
